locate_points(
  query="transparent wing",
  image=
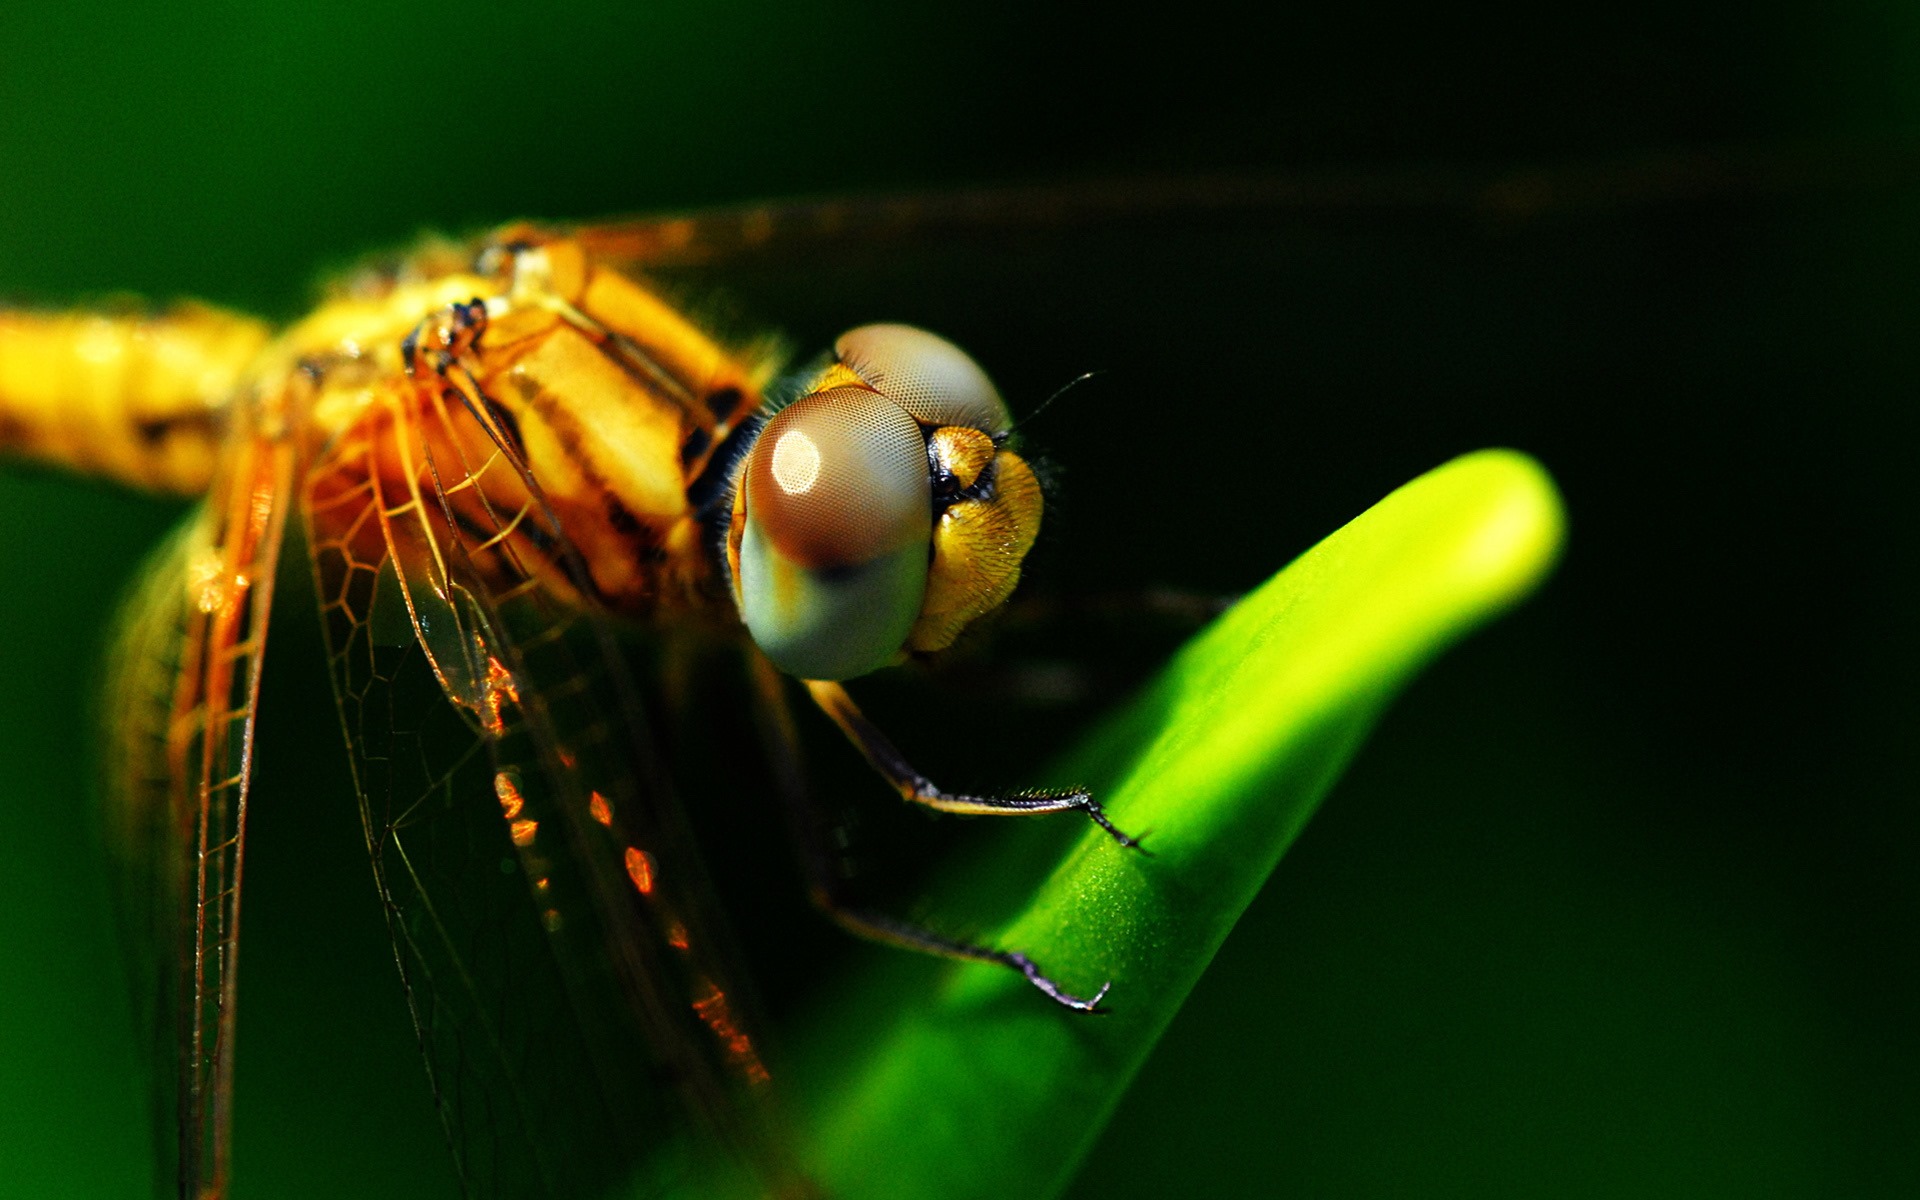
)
(180, 709)
(816, 227)
(545, 906)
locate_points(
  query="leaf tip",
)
(1521, 523)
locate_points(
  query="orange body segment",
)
(139, 398)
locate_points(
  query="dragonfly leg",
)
(918, 789)
(878, 927)
(823, 884)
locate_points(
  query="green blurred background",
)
(1622, 899)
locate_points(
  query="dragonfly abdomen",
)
(140, 398)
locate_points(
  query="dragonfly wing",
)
(817, 227)
(543, 902)
(180, 705)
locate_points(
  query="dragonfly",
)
(500, 455)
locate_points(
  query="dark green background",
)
(1622, 900)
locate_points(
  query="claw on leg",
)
(1025, 966)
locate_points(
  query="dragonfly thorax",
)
(563, 424)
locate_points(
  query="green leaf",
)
(936, 1079)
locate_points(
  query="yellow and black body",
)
(499, 451)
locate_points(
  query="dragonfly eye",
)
(930, 377)
(832, 557)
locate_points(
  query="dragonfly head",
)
(881, 513)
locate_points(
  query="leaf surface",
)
(925, 1078)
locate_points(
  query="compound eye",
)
(840, 478)
(838, 526)
(925, 374)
